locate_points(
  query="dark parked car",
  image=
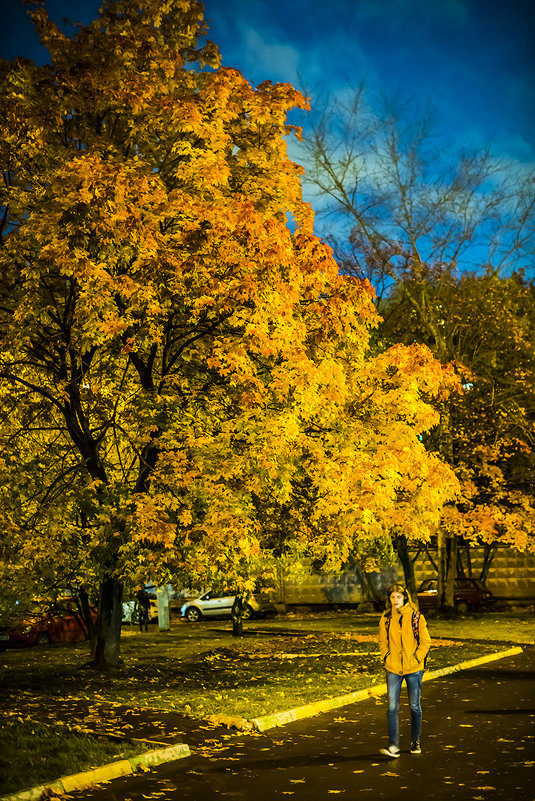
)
(468, 594)
(43, 625)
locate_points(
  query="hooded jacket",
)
(399, 648)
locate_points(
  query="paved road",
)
(478, 743)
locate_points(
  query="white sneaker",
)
(391, 751)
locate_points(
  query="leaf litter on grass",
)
(265, 672)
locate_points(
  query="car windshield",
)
(428, 586)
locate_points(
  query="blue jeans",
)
(414, 687)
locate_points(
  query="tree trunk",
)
(428, 554)
(237, 616)
(373, 595)
(468, 553)
(442, 567)
(408, 567)
(490, 553)
(108, 635)
(460, 564)
(445, 580)
(451, 571)
(87, 618)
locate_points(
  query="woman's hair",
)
(396, 588)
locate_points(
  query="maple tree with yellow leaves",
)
(484, 326)
(187, 389)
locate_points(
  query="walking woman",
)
(404, 642)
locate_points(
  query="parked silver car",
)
(213, 604)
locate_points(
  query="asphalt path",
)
(478, 743)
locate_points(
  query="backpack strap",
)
(416, 632)
(388, 620)
(416, 626)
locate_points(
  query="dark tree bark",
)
(490, 553)
(468, 560)
(87, 617)
(408, 567)
(373, 595)
(108, 634)
(442, 567)
(451, 570)
(237, 616)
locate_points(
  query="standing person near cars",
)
(404, 642)
(143, 601)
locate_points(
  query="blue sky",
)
(473, 60)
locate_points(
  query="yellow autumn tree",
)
(179, 353)
(484, 326)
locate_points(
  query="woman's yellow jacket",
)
(400, 650)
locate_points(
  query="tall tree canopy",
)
(186, 383)
(436, 232)
(484, 326)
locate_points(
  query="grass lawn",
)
(201, 669)
(31, 754)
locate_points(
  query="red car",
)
(44, 626)
(468, 594)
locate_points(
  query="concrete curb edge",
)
(288, 716)
(123, 767)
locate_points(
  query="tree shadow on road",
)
(500, 711)
(303, 761)
(500, 675)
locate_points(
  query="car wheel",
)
(461, 606)
(247, 612)
(43, 639)
(192, 614)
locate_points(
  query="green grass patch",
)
(32, 754)
(200, 669)
(516, 628)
